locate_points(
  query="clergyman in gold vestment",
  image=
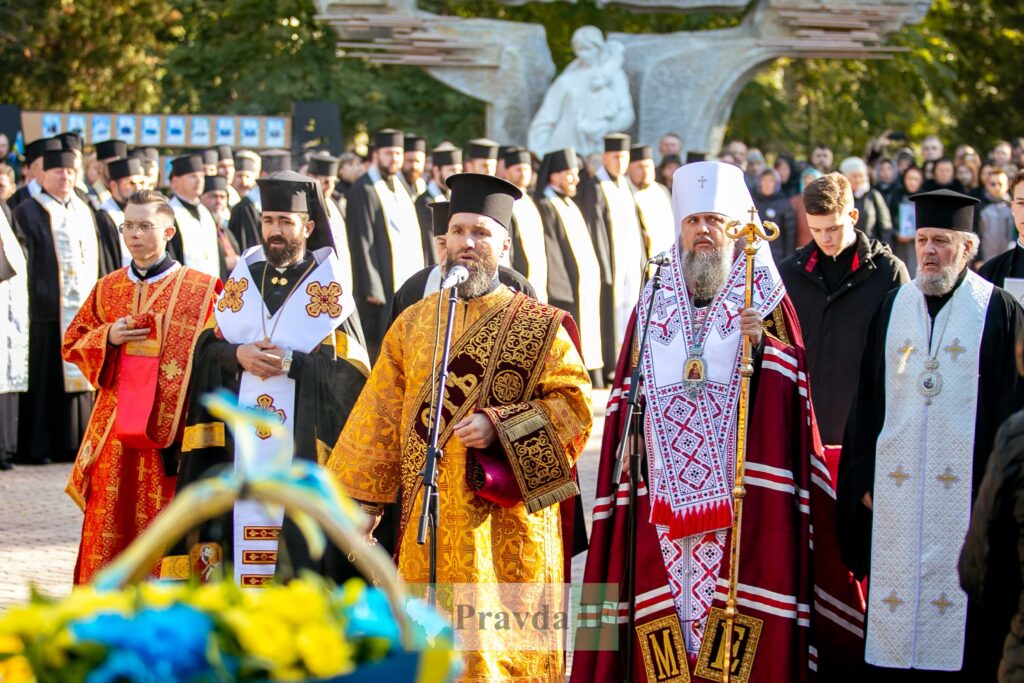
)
(517, 407)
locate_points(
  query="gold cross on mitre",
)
(955, 349)
(893, 601)
(942, 603)
(899, 476)
(948, 478)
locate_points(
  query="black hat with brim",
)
(616, 142)
(446, 156)
(944, 209)
(187, 163)
(558, 161)
(124, 168)
(247, 161)
(111, 149)
(293, 192)
(323, 165)
(71, 141)
(224, 153)
(215, 183)
(414, 143)
(640, 153)
(483, 194)
(482, 148)
(693, 157)
(389, 137)
(275, 161)
(38, 148)
(439, 214)
(210, 156)
(147, 153)
(58, 158)
(517, 155)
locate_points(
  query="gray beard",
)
(937, 284)
(480, 280)
(705, 273)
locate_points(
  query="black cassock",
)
(245, 224)
(1000, 394)
(591, 200)
(1008, 264)
(326, 388)
(426, 219)
(51, 421)
(370, 247)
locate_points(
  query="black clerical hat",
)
(215, 183)
(210, 156)
(415, 143)
(616, 142)
(187, 163)
(124, 168)
(58, 158)
(148, 153)
(37, 148)
(247, 161)
(517, 155)
(276, 160)
(323, 165)
(558, 161)
(388, 137)
(224, 152)
(693, 157)
(446, 156)
(296, 193)
(111, 149)
(944, 209)
(483, 194)
(640, 153)
(482, 148)
(71, 141)
(439, 215)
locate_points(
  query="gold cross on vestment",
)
(942, 603)
(907, 349)
(948, 478)
(893, 601)
(955, 349)
(899, 476)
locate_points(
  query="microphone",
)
(456, 276)
(661, 259)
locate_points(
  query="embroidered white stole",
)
(917, 612)
(433, 283)
(588, 287)
(339, 231)
(403, 228)
(316, 308)
(626, 247)
(656, 218)
(78, 267)
(14, 314)
(531, 238)
(198, 238)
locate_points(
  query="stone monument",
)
(684, 82)
(588, 100)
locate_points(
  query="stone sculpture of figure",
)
(587, 101)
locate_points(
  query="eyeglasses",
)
(139, 227)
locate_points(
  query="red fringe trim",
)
(708, 518)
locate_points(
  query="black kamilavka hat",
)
(483, 194)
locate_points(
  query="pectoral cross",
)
(955, 349)
(893, 601)
(948, 478)
(899, 476)
(942, 603)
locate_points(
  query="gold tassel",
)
(524, 425)
(563, 492)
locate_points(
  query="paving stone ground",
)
(40, 526)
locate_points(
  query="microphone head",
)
(662, 259)
(456, 276)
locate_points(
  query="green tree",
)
(86, 55)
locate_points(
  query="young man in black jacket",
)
(836, 283)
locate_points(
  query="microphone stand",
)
(431, 504)
(631, 435)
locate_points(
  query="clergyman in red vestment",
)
(133, 340)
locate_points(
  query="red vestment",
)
(790, 573)
(121, 488)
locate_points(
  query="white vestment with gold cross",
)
(316, 307)
(917, 612)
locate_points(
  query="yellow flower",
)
(295, 603)
(16, 670)
(86, 601)
(263, 636)
(30, 621)
(11, 645)
(159, 595)
(324, 650)
(214, 598)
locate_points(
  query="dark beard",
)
(279, 255)
(481, 275)
(705, 272)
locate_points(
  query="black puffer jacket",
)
(835, 325)
(992, 560)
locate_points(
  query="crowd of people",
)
(883, 363)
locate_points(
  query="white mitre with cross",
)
(710, 187)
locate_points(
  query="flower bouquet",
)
(119, 629)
